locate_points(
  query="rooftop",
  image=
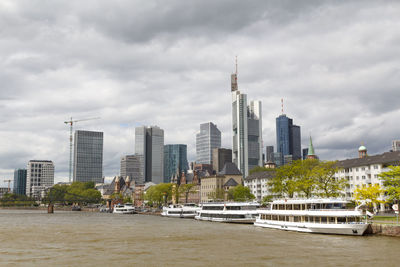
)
(230, 169)
(385, 158)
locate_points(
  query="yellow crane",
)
(71, 126)
(9, 181)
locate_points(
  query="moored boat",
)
(127, 208)
(327, 216)
(229, 212)
(180, 211)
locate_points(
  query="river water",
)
(96, 239)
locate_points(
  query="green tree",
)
(259, 169)
(326, 183)
(371, 194)
(240, 193)
(305, 181)
(217, 195)
(267, 199)
(186, 190)
(159, 194)
(57, 194)
(284, 182)
(391, 182)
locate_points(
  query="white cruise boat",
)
(229, 212)
(128, 208)
(327, 216)
(187, 210)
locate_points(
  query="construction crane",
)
(9, 181)
(71, 126)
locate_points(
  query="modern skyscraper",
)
(269, 154)
(207, 139)
(20, 182)
(88, 156)
(175, 161)
(247, 130)
(149, 142)
(39, 175)
(396, 145)
(131, 165)
(288, 137)
(221, 156)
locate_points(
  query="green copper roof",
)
(311, 148)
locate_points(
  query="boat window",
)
(305, 218)
(308, 206)
(274, 217)
(332, 220)
(323, 219)
(281, 218)
(296, 218)
(341, 220)
(296, 207)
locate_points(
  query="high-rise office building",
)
(207, 139)
(88, 156)
(19, 187)
(221, 156)
(39, 176)
(175, 161)
(396, 145)
(288, 137)
(247, 130)
(131, 165)
(269, 151)
(305, 153)
(149, 142)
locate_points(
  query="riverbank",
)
(383, 229)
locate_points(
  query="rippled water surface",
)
(98, 239)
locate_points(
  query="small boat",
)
(128, 208)
(180, 211)
(326, 216)
(229, 212)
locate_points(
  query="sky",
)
(336, 64)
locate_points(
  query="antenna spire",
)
(236, 66)
(282, 105)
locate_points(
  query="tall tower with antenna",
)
(246, 129)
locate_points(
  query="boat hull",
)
(337, 229)
(226, 220)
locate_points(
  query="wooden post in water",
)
(50, 208)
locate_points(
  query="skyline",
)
(142, 63)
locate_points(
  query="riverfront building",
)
(88, 156)
(19, 187)
(40, 176)
(175, 161)
(247, 130)
(207, 139)
(257, 183)
(364, 170)
(216, 186)
(131, 165)
(221, 156)
(149, 142)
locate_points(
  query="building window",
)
(363, 168)
(363, 177)
(356, 169)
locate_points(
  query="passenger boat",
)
(180, 211)
(229, 212)
(327, 216)
(128, 208)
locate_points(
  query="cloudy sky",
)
(168, 63)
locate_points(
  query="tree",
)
(391, 182)
(326, 183)
(284, 182)
(240, 193)
(56, 194)
(217, 195)
(160, 193)
(187, 189)
(267, 199)
(371, 194)
(303, 172)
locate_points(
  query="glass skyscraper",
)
(175, 161)
(149, 142)
(288, 137)
(20, 182)
(247, 130)
(207, 139)
(131, 165)
(88, 156)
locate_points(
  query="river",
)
(32, 237)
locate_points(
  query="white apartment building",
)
(364, 170)
(257, 183)
(40, 176)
